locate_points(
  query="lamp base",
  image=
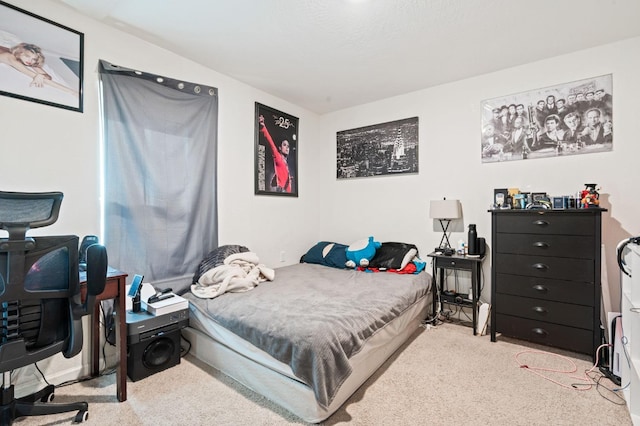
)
(445, 251)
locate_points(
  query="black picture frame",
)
(566, 119)
(536, 197)
(389, 148)
(276, 131)
(501, 198)
(53, 74)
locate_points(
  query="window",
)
(159, 161)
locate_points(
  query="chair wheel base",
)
(82, 416)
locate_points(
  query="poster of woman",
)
(40, 60)
(276, 157)
(567, 119)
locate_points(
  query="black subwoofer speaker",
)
(153, 351)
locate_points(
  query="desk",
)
(462, 263)
(114, 289)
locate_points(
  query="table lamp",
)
(444, 211)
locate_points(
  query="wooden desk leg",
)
(95, 341)
(121, 339)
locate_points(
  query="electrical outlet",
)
(282, 256)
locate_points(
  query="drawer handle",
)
(540, 266)
(539, 310)
(540, 223)
(540, 244)
(540, 288)
(539, 331)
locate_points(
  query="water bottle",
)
(472, 239)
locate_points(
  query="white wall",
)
(395, 208)
(46, 149)
(58, 150)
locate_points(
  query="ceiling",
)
(326, 55)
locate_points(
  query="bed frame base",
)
(292, 394)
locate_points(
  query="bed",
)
(310, 337)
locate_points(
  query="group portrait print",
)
(381, 149)
(40, 60)
(567, 119)
(276, 152)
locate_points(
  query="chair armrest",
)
(96, 280)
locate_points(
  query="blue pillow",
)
(328, 254)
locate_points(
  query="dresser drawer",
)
(578, 246)
(546, 223)
(545, 310)
(451, 262)
(574, 339)
(579, 293)
(545, 267)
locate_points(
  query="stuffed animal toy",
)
(361, 252)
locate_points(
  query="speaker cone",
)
(158, 353)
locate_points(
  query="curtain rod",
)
(106, 67)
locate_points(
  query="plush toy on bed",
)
(361, 252)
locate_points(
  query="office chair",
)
(41, 306)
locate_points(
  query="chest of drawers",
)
(546, 277)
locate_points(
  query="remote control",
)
(156, 298)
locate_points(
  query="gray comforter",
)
(314, 318)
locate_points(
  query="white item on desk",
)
(165, 306)
(172, 304)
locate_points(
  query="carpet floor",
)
(441, 376)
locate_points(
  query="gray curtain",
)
(160, 149)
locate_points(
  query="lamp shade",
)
(444, 209)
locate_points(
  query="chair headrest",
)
(21, 211)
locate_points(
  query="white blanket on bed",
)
(240, 272)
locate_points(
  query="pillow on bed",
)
(216, 257)
(393, 256)
(328, 254)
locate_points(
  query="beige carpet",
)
(442, 376)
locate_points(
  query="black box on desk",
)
(153, 342)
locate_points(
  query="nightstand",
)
(442, 263)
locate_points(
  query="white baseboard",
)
(28, 380)
(56, 370)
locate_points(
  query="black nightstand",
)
(461, 263)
